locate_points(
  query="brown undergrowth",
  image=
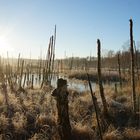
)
(33, 116)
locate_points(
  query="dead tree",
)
(119, 65)
(21, 75)
(100, 80)
(18, 63)
(24, 79)
(32, 86)
(61, 95)
(40, 67)
(43, 78)
(132, 67)
(28, 75)
(53, 57)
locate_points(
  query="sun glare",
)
(5, 46)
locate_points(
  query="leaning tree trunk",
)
(100, 80)
(132, 67)
(96, 107)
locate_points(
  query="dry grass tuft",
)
(33, 115)
(19, 121)
(1, 99)
(114, 135)
(3, 123)
(43, 119)
(131, 134)
(81, 132)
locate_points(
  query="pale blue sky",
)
(26, 25)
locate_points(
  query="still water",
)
(74, 84)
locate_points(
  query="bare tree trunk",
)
(53, 57)
(58, 68)
(132, 66)
(24, 80)
(119, 64)
(18, 66)
(43, 78)
(116, 90)
(28, 75)
(32, 86)
(40, 66)
(100, 80)
(21, 74)
(18, 63)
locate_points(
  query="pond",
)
(73, 84)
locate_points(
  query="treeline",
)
(109, 62)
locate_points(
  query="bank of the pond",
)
(78, 80)
(106, 77)
(75, 84)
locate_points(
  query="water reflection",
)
(78, 85)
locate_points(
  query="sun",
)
(5, 46)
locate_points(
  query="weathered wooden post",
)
(132, 66)
(61, 95)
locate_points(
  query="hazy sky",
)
(26, 25)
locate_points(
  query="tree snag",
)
(132, 67)
(61, 95)
(100, 80)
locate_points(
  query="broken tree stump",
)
(61, 96)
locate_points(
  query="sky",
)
(26, 26)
